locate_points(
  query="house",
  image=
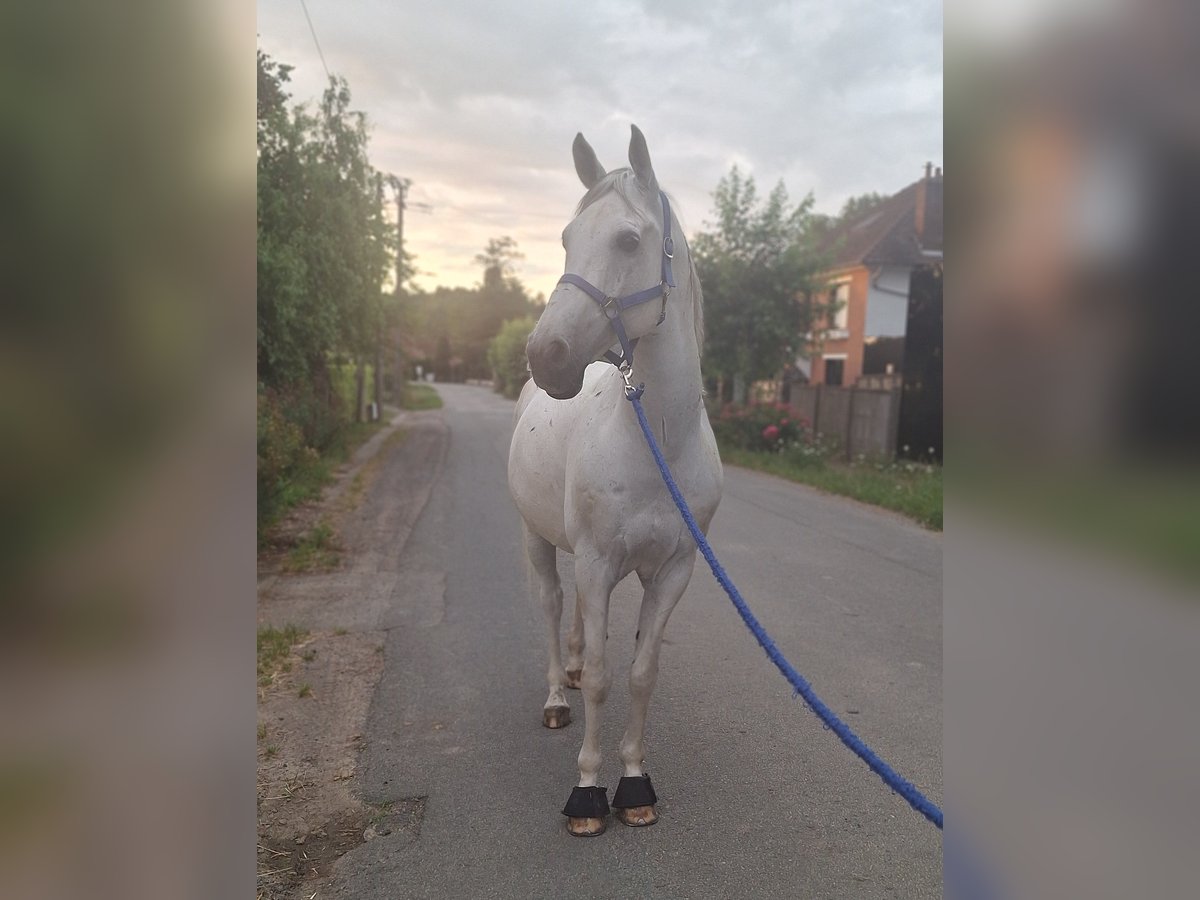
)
(874, 258)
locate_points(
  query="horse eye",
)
(628, 240)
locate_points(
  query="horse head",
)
(618, 247)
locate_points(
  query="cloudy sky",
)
(477, 102)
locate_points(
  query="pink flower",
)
(770, 433)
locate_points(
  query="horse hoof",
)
(556, 716)
(574, 678)
(637, 816)
(585, 827)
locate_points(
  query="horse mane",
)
(625, 184)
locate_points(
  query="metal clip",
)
(626, 370)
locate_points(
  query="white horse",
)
(579, 468)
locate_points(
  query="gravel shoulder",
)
(312, 711)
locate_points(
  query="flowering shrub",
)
(765, 427)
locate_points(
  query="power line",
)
(315, 41)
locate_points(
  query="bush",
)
(318, 412)
(506, 354)
(281, 451)
(762, 427)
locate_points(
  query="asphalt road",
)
(757, 799)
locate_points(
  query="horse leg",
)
(595, 585)
(543, 556)
(635, 799)
(575, 647)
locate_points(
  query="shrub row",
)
(763, 427)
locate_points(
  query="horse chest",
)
(620, 501)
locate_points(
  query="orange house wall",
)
(856, 323)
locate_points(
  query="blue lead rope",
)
(891, 778)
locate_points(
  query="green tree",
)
(292, 332)
(355, 239)
(506, 355)
(854, 208)
(441, 359)
(501, 297)
(858, 205)
(458, 323)
(325, 248)
(499, 260)
(324, 245)
(757, 264)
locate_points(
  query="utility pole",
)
(378, 329)
(400, 188)
(381, 324)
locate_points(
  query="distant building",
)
(874, 258)
(885, 331)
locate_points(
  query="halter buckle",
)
(611, 307)
(669, 247)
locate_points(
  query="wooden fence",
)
(859, 421)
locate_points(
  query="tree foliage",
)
(324, 243)
(756, 262)
(325, 248)
(506, 355)
(499, 260)
(856, 206)
(456, 325)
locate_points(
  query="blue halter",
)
(614, 306)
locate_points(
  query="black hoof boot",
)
(587, 811)
(634, 801)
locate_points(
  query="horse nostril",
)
(557, 353)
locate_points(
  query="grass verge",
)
(420, 396)
(1142, 513)
(911, 489)
(308, 479)
(274, 649)
(317, 551)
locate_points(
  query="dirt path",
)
(312, 710)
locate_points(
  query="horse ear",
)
(589, 168)
(639, 158)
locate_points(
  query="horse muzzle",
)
(554, 367)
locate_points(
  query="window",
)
(834, 370)
(839, 319)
